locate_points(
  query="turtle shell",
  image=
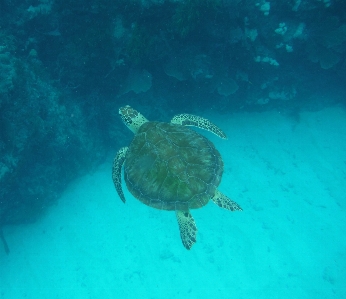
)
(171, 167)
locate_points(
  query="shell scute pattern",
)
(171, 167)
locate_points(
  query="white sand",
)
(289, 242)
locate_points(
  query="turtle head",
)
(132, 118)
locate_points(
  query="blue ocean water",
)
(270, 74)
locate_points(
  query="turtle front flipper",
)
(116, 171)
(224, 202)
(199, 122)
(187, 227)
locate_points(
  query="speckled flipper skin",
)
(187, 227)
(199, 122)
(116, 171)
(224, 202)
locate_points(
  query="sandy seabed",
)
(289, 176)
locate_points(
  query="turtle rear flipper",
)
(116, 171)
(187, 227)
(199, 122)
(224, 202)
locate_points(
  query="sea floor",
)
(289, 176)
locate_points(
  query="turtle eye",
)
(126, 119)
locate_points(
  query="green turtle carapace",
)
(171, 167)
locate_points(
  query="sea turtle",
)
(171, 167)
